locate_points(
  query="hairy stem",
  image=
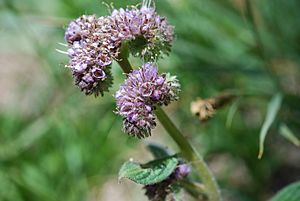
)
(188, 152)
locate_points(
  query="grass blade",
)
(272, 111)
(287, 133)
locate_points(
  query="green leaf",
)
(289, 193)
(158, 151)
(287, 133)
(150, 173)
(231, 113)
(272, 111)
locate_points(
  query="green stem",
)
(188, 152)
(183, 144)
(125, 65)
(197, 190)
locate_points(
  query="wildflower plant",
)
(93, 44)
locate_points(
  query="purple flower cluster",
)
(137, 97)
(90, 56)
(159, 191)
(95, 42)
(149, 34)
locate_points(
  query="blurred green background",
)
(58, 144)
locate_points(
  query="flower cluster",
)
(89, 56)
(159, 191)
(149, 35)
(137, 97)
(95, 42)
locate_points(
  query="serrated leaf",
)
(289, 193)
(288, 134)
(272, 111)
(150, 173)
(158, 151)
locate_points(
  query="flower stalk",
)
(187, 151)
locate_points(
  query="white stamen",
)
(147, 3)
(63, 44)
(61, 51)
